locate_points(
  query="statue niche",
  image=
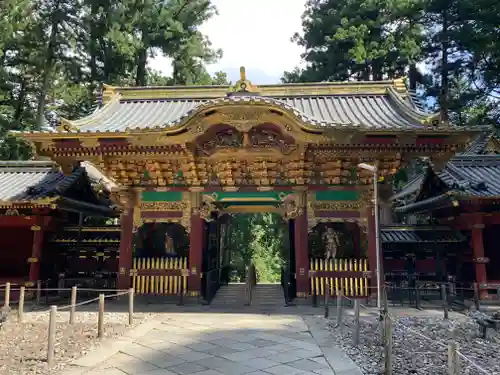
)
(223, 138)
(331, 241)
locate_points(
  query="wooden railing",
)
(349, 276)
(160, 276)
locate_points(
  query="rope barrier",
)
(474, 364)
(438, 342)
(64, 289)
(91, 300)
(86, 302)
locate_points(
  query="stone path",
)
(218, 343)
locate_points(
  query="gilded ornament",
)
(337, 206)
(205, 210)
(163, 206)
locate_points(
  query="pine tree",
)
(357, 40)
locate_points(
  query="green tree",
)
(457, 41)
(345, 40)
(261, 238)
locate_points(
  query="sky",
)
(254, 34)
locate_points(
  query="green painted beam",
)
(339, 195)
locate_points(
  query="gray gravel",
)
(23, 347)
(412, 352)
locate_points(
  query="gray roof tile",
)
(420, 235)
(473, 175)
(377, 112)
(31, 180)
(22, 181)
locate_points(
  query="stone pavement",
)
(219, 343)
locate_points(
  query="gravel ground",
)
(23, 347)
(412, 352)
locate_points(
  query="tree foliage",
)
(54, 55)
(261, 238)
(449, 50)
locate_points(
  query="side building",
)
(40, 209)
(464, 198)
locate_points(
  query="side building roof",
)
(472, 174)
(43, 184)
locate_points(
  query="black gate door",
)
(288, 280)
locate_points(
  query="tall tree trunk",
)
(142, 59)
(413, 76)
(445, 84)
(19, 108)
(48, 66)
(93, 43)
(140, 78)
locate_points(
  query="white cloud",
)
(255, 34)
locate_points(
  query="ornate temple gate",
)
(305, 140)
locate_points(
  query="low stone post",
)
(100, 318)
(444, 297)
(52, 336)
(131, 306)
(453, 359)
(20, 307)
(388, 344)
(72, 310)
(7, 295)
(327, 299)
(357, 308)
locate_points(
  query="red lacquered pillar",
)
(196, 238)
(372, 251)
(301, 255)
(36, 252)
(125, 260)
(479, 260)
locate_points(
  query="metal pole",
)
(377, 237)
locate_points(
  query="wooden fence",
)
(160, 276)
(350, 276)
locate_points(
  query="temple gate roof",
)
(369, 106)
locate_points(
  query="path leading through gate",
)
(221, 343)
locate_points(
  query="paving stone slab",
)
(187, 368)
(260, 363)
(219, 350)
(308, 365)
(283, 370)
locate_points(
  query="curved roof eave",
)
(412, 112)
(75, 125)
